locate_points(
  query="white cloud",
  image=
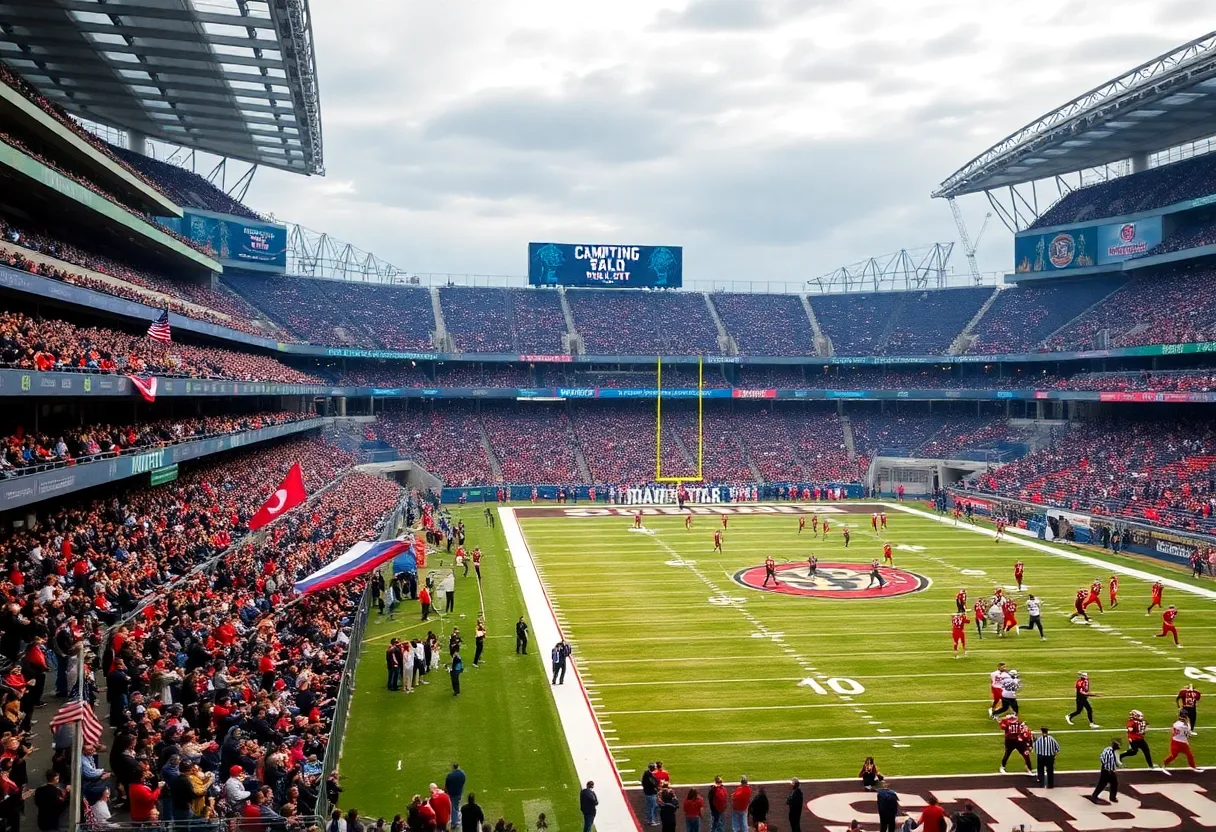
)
(774, 139)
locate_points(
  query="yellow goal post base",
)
(658, 427)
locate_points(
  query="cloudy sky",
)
(773, 139)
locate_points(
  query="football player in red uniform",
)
(477, 561)
(688, 520)
(958, 627)
(1000, 528)
(874, 522)
(723, 522)
(801, 523)
(1009, 608)
(1114, 591)
(770, 571)
(958, 512)
(1137, 727)
(1157, 591)
(1019, 569)
(827, 527)
(960, 600)
(996, 686)
(844, 531)
(882, 519)
(717, 541)
(1187, 699)
(1017, 738)
(887, 555)
(1078, 606)
(815, 524)
(981, 614)
(1095, 595)
(1083, 694)
(1167, 625)
(812, 566)
(637, 519)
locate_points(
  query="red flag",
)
(287, 496)
(146, 385)
(79, 711)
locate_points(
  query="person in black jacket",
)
(471, 816)
(650, 793)
(796, 804)
(521, 636)
(50, 799)
(587, 802)
(759, 807)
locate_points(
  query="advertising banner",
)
(1079, 248)
(236, 241)
(605, 266)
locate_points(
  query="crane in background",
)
(969, 247)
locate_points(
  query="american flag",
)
(77, 710)
(159, 331)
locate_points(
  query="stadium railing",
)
(346, 688)
(297, 823)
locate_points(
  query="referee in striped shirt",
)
(1045, 750)
(1109, 775)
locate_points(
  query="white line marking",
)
(398, 765)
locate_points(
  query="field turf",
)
(502, 729)
(685, 665)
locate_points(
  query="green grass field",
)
(687, 666)
(502, 729)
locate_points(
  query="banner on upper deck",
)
(236, 241)
(605, 266)
(1085, 246)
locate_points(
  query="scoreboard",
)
(605, 266)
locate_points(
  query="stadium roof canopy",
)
(236, 78)
(1166, 102)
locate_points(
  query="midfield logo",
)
(839, 581)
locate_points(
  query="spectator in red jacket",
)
(143, 801)
(718, 801)
(740, 800)
(442, 804)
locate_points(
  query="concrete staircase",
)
(747, 457)
(572, 341)
(579, 459)
(965, 339)
(1085, 312)
(726, 344)
(823, 344)
(441, 340)
(690, 459)
(849, 443)
(495, 467)
(884, 337)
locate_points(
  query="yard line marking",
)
(753, 680)
(398, 765)
(1013, 647)
(817, 740)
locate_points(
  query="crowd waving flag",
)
(359, 559)
(145, 386)
(159, 331)
(287, 496)
(79, 711)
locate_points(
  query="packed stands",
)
(770, 377)
(961, 434)
(52, 345)
(929, 322)
(483, 375)
(386, 375)
(895, 432)
(856, 323)
(1153, 381)
(1154, 188)
(479, 320)
(539, 321)
(342, 313)
(618, 443)
(184, 187)
(723, 457)
(797, 444)
(1193, 233)
(533, 443)
(444, 439)
(27, 453)
(1176, 306)
(1022, 317)
(643, 323)
(1158, 471)
(674, 376)
(766, 324)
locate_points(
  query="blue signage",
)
(236, 241)
(605, 266)
(1086, 246)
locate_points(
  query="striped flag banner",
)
(159, 331)
(77, 710)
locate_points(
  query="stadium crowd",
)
(52, 345)
(1154, 188)
(1021, 318)
(1192, 233)
(1160, 471)
(765, 324)
(184, 187)
(29, 452)
(445, 439)
(643, 323)
(220, 693)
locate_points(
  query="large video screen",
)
(605, 266)
(236, 241)
(1091, 245)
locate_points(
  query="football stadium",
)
(299, 548)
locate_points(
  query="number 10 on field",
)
(844, 687)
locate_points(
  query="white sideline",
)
(583, 735)
(1075, 556)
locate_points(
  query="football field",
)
(684, 660)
